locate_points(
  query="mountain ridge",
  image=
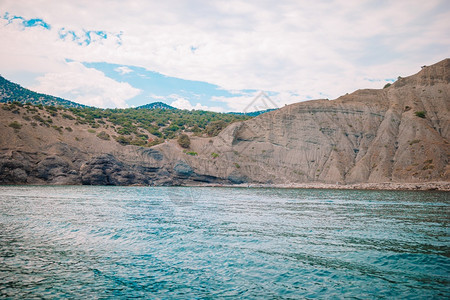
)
(10, 91)
(155, 105)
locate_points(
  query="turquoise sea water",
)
(192, 243)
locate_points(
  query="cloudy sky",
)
(216, 55)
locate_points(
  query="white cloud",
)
(86, 86)
(258, 101)
(157, 97)
(123, 70)
(183, 103)
(309, 48)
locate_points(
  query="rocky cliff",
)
(397, 134)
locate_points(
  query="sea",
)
(104, 242)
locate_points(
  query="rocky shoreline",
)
(383, 186)
(389, 186)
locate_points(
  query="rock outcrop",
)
(399, 134)
(367, 136)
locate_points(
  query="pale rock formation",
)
(369, 136)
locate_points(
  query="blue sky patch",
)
(158, 87)
(27, 22)
(85, 38)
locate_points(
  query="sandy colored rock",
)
(370, 137)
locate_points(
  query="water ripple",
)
(184, 243)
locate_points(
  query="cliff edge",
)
(398, 134)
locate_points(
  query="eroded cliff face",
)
(366, 136)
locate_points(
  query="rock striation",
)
(399, 134)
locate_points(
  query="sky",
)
(216, 55)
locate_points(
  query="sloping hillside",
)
(10, 91)
(397, 134)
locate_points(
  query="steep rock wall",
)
(367, 136)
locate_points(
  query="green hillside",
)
(10, 92)
(146, 125)
(140, 127)
(154, 105)
(163, 123)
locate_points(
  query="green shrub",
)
(387, 85)
(91, 130)
(214, 155)
(123, 140)
(142, 136)
(57, 128)
(237, 165)
(155, 142)
(420, 114)
(169, 135)
(184, 140)
(195, 128)
(123, 131)
(155, 132)
(39, 118)
(15, 125)
(69, 129)
(67, 116)
(215, 127)
(51, 108)
(103, 135)
(192, 153)
(138, 142)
